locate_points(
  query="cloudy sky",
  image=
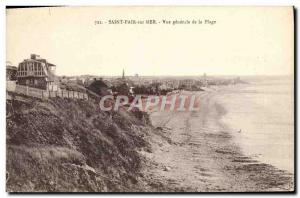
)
(243, 41)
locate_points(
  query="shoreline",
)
(195, 152)
(251, 126)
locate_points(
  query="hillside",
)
(70, 145)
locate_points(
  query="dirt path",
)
(193, 151)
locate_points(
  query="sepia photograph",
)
(150, 99)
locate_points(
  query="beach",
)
(211, 150)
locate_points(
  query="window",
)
(40, 69)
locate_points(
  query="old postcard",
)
(150, 99)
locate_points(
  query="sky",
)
(243, 41)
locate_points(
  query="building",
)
(37, 72)
(11, 72)
(98, 86)
(186, 83)
(123, 75)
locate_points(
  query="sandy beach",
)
(196, 151)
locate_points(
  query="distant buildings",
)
(186, 83)
(37, 72)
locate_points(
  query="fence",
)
(40, 93)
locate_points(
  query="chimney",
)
(33, 56)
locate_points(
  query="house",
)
(99, 87)
(37, 72)
(186, 83)
(11, 72)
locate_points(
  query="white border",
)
(4, 3)
(149, 2)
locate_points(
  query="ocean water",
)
(263, 112)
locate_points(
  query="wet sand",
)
(196, 152)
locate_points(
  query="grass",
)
(66, 145)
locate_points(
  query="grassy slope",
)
(67, 145)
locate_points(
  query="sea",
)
(260, 115)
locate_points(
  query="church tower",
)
(123, 74)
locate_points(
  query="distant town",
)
(38, 73)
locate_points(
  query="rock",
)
(167, 168)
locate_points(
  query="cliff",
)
(71, 145)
